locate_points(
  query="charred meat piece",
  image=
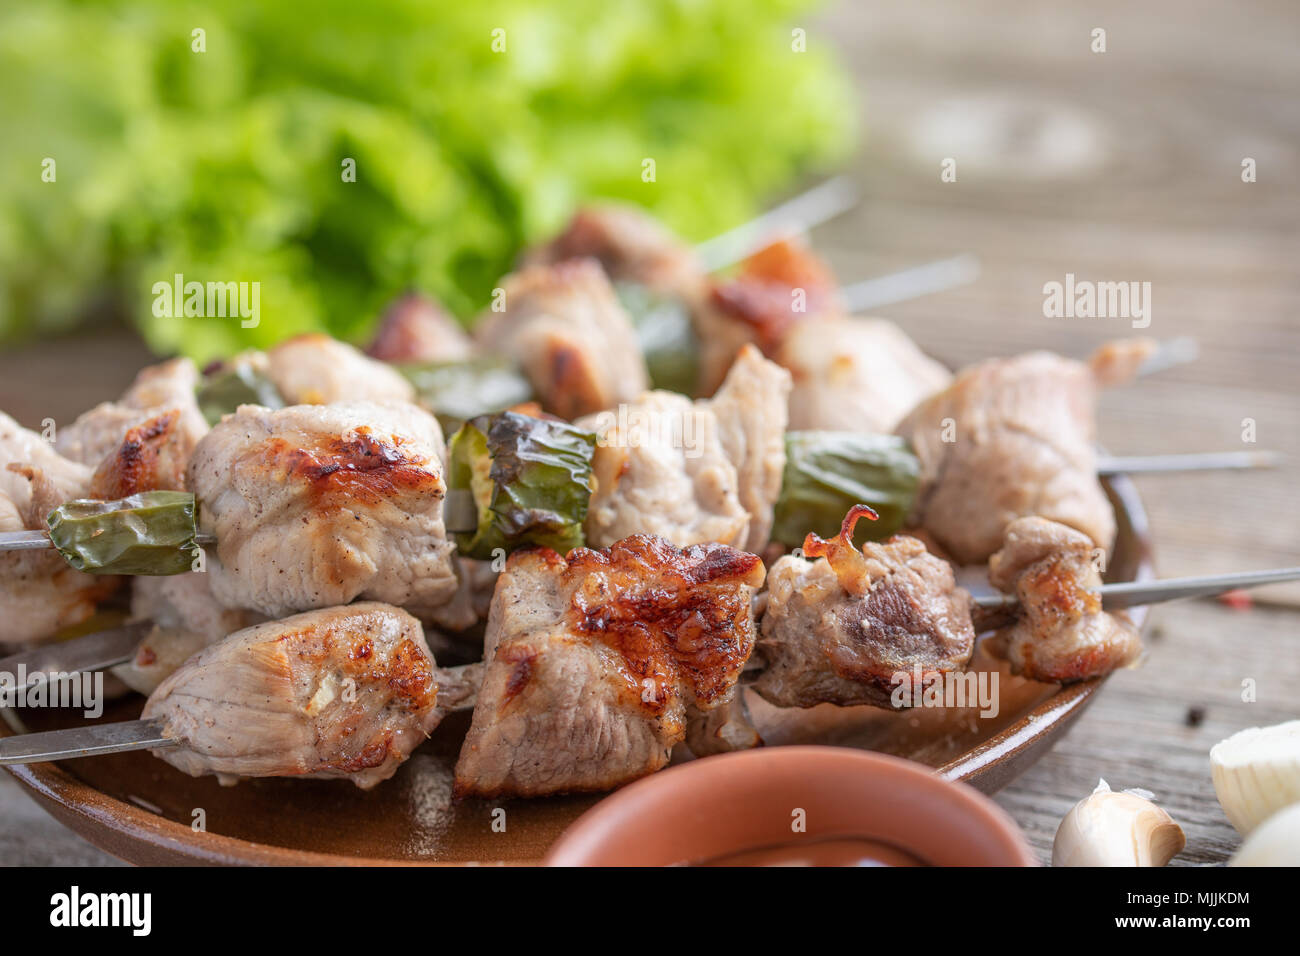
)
(856, 375)
(314, 369)
(342, 692)
(158, 416)
(630, 246)
(153, 456)
(775, 289)
(39, 592)
(314, 506)
(565, 328)
(841, 623)
(1008, 439)
(417, 329)
(596, 663)
(693, 472)
(1062, 633)
(186, 618)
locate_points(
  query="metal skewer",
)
(1115, 597)
(818, 205)
(89, 653)
(910, 283)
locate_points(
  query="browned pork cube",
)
(596, 664)
(317, 505)
(342, 692)
(842, 625)
(1061, 634)
(1012, 438)
(565, 327)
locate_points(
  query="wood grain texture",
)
(1116, 166)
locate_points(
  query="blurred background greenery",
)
(225, 165)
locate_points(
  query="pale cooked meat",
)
(40, 593)
(1062, 634)
(475, 581)
(317, 505)
(157, 390)
(630, 245)
(417, 329)
(186, 619)
(660, 468)
(565, 328)
(342, 692)
(777, 288)
(751, 411)
(594, 663)
(692, 472)
(856, 375)
(314, 369)
(724, 729)
(153, 456)
(1009, 438)
(840, 628)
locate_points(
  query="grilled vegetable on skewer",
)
(241, 381)
(457, 391)
(149, 533)
(827, 473)
(528, 481)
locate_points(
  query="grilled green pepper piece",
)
(530, 480)
(667, 336)
(457, 391)
(827, 473)
(149, 533)
(235, 384)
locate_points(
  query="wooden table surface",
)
(1116, 166)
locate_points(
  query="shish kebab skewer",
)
(150, 733)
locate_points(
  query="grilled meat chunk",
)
(692, 472)
(1008, 439)
(186, 618)
(565, 328)
(314, 506)
(1061, 634)
(153, 456)
(838, 630)
(417, 329)
(314, 369)
(777, 288)
(856, 375)
(39, 592)
(105, 436)
(630, 245)
(595, 663)
(342, 692)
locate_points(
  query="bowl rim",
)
(92, 813)
(650, 795)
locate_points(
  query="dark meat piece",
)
(839, 630)
(417, 329)
(595, 663)
(1062, 633)
(630, 246)
(341, 692)
(1011, 438)
(775, 288)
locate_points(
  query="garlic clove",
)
(1116, 829)
(1275, 842)
(1257, 772)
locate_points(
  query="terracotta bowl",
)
(795, 805)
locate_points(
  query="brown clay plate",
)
(144, 811)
